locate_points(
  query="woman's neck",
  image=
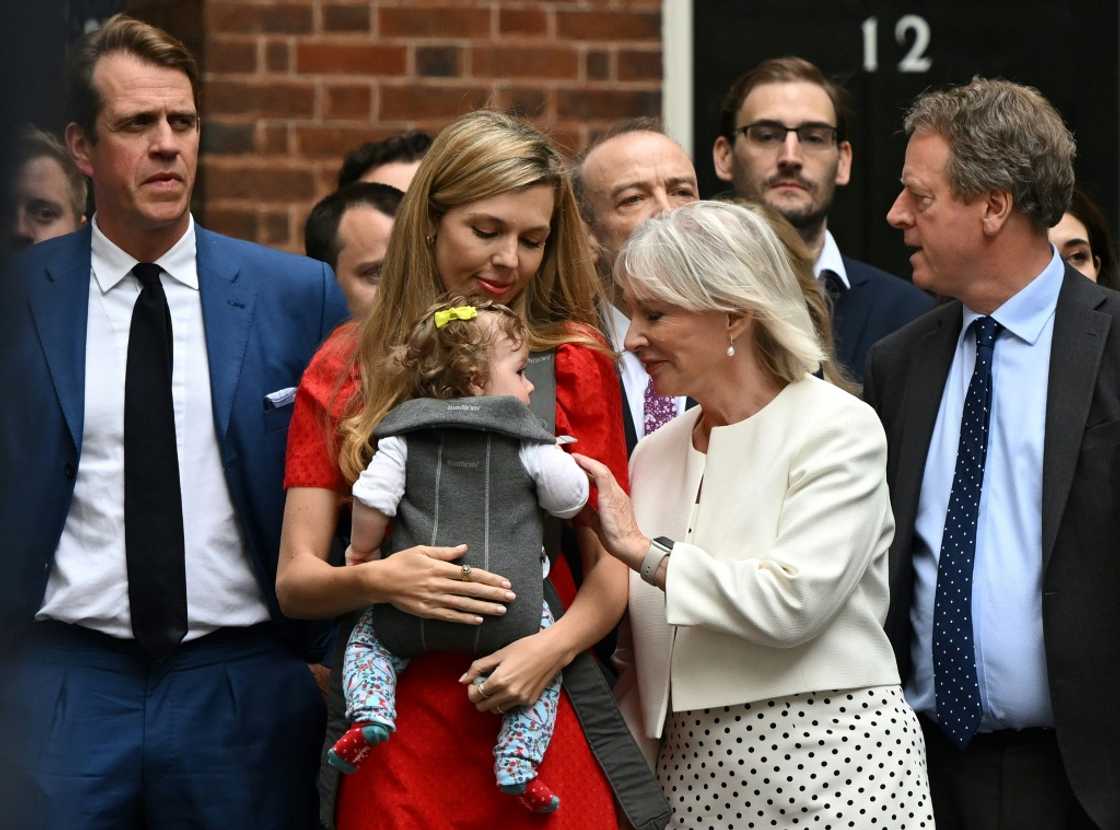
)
(741, 390)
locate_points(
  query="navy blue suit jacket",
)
(264, 314)
(876, 305)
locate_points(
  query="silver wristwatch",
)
(659, 548)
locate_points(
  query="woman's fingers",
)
(469, 605)
(446, 554)
(481, 667)
(598, 471)
(473, 576)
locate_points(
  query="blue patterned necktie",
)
(954, 655)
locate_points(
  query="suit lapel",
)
(1075, 356)
(850, 315)
(227, 312)
(59, 299)
(933, 355)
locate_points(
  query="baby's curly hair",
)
(445, 362)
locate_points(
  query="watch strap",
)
(659, 548)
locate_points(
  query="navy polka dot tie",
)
(954, 656)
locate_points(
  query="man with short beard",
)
(782, 142)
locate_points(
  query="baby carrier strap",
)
(634, 786)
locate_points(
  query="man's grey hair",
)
(644, 124)
(1002, 136)
(725, 257)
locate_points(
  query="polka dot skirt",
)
(823, 760)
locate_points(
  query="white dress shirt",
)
(831, 260)
(88, 583)
(634, 376)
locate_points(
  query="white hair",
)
(719, 256)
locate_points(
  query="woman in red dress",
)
(490, 212)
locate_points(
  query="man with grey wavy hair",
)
(1004, 136)
(1001, 409)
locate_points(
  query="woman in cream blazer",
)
(757, 532)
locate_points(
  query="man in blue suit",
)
(783, 142)
(149, 679)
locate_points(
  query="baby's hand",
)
(354, 557)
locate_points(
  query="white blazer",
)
(780, 586)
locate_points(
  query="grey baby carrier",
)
(463, 472)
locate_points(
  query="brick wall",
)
(291, 85)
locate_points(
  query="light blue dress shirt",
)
(1007, 579)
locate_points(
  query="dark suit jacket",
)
(1080, 509)
(264, 314)
(877, 304)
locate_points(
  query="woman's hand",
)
(515, 675)
(426, 582)
(615, 524)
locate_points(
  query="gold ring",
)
(465, 573)
(499, 710)
(482, 689)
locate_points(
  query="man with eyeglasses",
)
(782, 142)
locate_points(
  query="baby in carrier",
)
(462, 459)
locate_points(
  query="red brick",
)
(328, 181)
(224, 55)
(608, 25)
(269, 184)
(606, 103)
(333, 142)
(434, 22)
(506, 62)
(416, 102)
(634, 65)
(227, 139)
(439, 61)
(275, 18)
(568, 140)
(350, 58)
(523, 21)
(527, 102)
(349, 101)
(260, 99)
(346, 18)
(240, 224)
(272, 139)
(598, 67)
(274, 228)
(277, 56)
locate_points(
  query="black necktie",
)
(153, 505)
(833, 285)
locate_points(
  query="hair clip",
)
(456, 312)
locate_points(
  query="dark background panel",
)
(1066, 50)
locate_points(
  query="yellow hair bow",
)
(456, 312)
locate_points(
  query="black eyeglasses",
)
(772, 134)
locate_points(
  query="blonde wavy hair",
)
(478, 156)
(450, 361)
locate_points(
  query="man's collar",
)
(1025, 313)
(617, 324)
(830, 260)
(111, 264)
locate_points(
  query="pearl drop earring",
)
(731, 349)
